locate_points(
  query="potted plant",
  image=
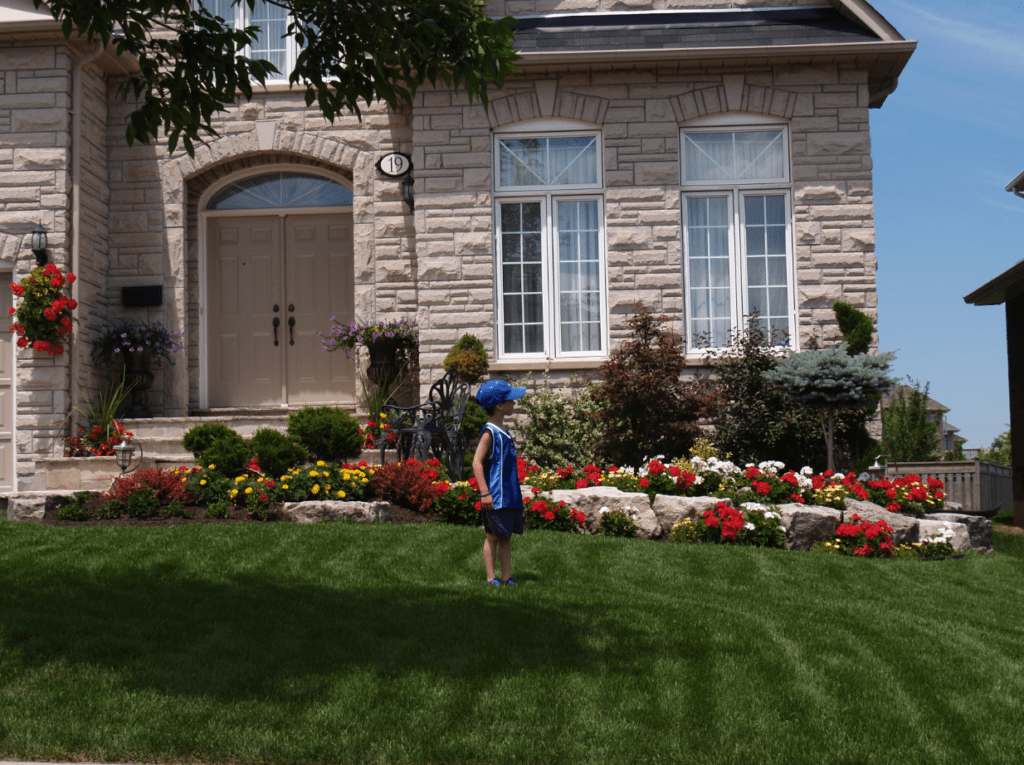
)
(390, 345)
(135, 345)
(43, 320)
(468, 358)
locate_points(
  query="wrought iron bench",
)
(435, 426)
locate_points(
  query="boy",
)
(497, 474)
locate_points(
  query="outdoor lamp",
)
(123, 454)
(39, 244)
(407, 197)
(876, 468)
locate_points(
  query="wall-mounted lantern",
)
(39, 244)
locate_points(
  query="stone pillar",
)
(1015, 364)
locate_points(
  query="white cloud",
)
(1001, 40)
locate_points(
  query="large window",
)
(550, 247)
(271, 43)
(737, 233)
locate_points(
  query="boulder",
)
(670, 510)
(807, 524)
(327, 510)
(904, 528)
(33, 505)
(590, 501)
(978, 529)
(930, 527)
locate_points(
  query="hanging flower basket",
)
(43, 318)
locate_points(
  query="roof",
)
(931, 404)
(1017, 184)
(1009, 284)
(647, 30)
(795, 34)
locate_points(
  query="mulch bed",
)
(197, 515)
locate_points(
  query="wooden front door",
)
(274, 283)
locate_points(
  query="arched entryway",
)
(277, 247)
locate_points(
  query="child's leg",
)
(491, 544)
(505, 556)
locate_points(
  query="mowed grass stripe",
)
(345, 643)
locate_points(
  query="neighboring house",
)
(705, 160)
(947, 432)
(1008, 289)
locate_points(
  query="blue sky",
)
(945, 145)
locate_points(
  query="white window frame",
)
(737, 191)
(549, 196)
(241, 20)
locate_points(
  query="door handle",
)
(277, 323)
(291, 330)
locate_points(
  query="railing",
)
(979, 486)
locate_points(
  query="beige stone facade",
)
(136, 218)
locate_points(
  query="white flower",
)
(749, 526)
(782, 529)
(756, 507)
(807, 470)
(771, 515)
(698, 480)
(603, 510)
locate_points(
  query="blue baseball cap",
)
(493, 392)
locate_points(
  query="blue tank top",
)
(502, 469)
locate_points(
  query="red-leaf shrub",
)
(409, 483)
(167, 486)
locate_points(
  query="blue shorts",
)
(504, 523)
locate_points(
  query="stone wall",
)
(640, 112)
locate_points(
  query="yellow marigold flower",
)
(327, 487)
(314, 474)
(183, 480)
(212, 467)
(248, 490)
(239, 479)
(341, 495)
(233, 493)
(284, 486)
(320, 463)
(202, 482)
(315, 489)
(260, 479)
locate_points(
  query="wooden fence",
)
(979, 486)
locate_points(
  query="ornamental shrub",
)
(201, 437)
(76, 509)
(229, 453)
(458, 503)
(856, 327)
(620, 522)
(141, 503)
(275, 452)
(409, 484)
(328, 433)
(864, 539)
(165, 486)
(468, 357)
(560, 428)
(644, 408)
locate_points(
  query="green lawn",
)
(341, 643)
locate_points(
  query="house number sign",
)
(395, 165)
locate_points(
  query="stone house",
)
(703, 157)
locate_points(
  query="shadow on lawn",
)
(253, 637)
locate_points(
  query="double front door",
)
(274, 282)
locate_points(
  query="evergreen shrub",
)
(560, 428)
(275, 452)
(327, 433)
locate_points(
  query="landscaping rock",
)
(928, 527)
(979, 529)
(905, 529)
(33, 505)
(361, 512)
(670, 510)
(590, 501)
(807, 524)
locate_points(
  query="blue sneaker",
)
(510, 580)
(494, 582)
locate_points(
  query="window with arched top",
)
(281, 189)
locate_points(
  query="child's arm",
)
(482, 450)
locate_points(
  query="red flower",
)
(41, 345)
(655, 468)
(582, 483)
(536, 489)
(752, 472)
(17, 289)
(71, 278)
(644, 483)
(12, 311)
(674, 471)
(538, 506)
(479, 506)
(797, 498)
(549, 516)
(23, 342)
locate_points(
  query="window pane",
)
(740, 155)
(271, 190)
(757, 272)
(767, 279)
(222, 8)
(534, 340)
(521, 274)
(776, 271)
(270, 43)
(578, 257)
(709, 290)
(570, 160)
